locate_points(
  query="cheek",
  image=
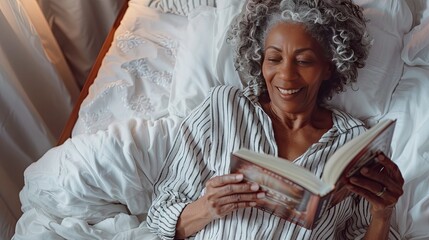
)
(267, 73)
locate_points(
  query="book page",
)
(283, 167)
(284, 198)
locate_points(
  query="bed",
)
(160, 62)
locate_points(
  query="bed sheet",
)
(410, 150)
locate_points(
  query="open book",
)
(296, 194)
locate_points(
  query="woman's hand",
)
(227, 193)
(223, 195)
(380, 185)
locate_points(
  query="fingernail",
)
(381, 157)
(239, 177)
(254, 187)
(252, 204)
(260, 195)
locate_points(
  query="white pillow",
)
(419, 9)
(416, 45)
(205, 59)
(180, 7)
(416, 42)
(389, 21)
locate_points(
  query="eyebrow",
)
(300, 50)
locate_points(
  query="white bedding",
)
(136, 74)
(75, 192)
(146, 77)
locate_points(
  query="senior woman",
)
(295, 54)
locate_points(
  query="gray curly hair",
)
(338, 26)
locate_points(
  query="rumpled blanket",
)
(95, 186)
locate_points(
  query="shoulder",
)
(230, 101)
(345, 122)
(228, 95)
(225, 91)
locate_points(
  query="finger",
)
(367, 184)
(391, 168)
(223, 180)
(385, 173)
(374, 181)
(373, 191)
(232, 189)
(238, 198)
(228, 208)
(239, 188)
(378, 203)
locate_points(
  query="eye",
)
(304, 62)
(273, 60)
(272, 56)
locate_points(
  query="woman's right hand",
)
(228, 193)
(223, 195)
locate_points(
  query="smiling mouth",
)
(288, 91)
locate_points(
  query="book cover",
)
(297, 195)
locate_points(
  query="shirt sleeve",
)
(184, 174)
(358, 224)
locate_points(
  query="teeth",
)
(288, 91)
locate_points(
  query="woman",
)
(296, 54)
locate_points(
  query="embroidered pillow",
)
(180, 7)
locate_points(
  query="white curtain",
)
(45, 56)
(80, 27)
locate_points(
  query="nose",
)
(287, 70)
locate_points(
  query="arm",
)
(183, 174)
(176, 215)
(196, 164)
(381, 186)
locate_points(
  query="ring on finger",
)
(379, 194)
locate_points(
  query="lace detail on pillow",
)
(128, 40)
(140, 69)
(139, 103)
(94, 115)
(99, 118)
(170, 45)
(179, 7)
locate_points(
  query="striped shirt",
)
(226, 121)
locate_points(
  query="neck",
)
(293, 121)
(317, 117)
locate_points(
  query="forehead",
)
(287, 33)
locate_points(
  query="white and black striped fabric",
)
(180, 7)
(227, 121)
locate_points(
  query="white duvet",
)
(95, 186)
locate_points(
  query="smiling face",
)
(293, 67)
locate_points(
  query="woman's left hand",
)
(380, 185)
